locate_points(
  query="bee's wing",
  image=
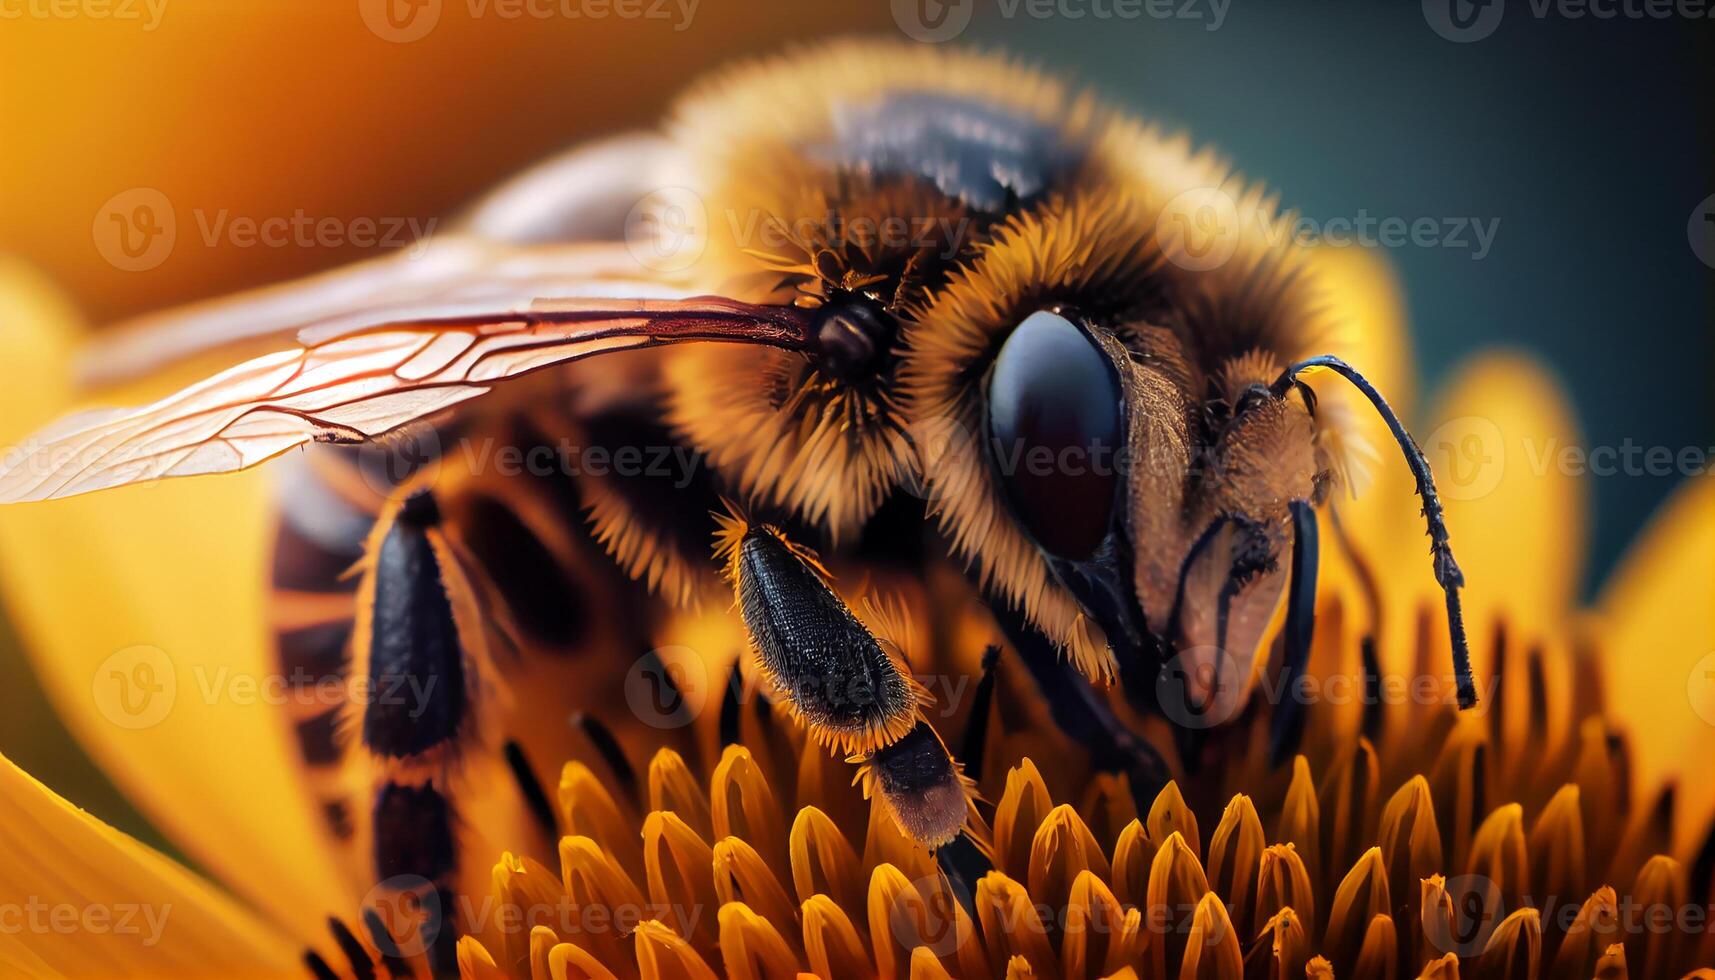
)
(376, 346)
(448, 276)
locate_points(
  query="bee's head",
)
(1122, 448)
(1122, 484)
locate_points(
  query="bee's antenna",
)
(1447, 571)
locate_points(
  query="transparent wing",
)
(368, 360)
(446, 277)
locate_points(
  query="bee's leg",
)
(835, 677)
(417, 705)
(1082, 714)
(1286, 728)
(1374, 716)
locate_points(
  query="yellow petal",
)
(1134, 852)
(1023, 806)
(587, 809)
(1169, 815)
(751, 947)
(823, 861)
(742, 874)
(742, 805)
(571, 962)
(1099, 935)
(1515, 948)
(899, 919)
(1440, 933)
(475, 963)
(1176, 883)
(1659, 892)
(1499, 859)
(662, 955)
(676, 865)
(1062, 849)
(1596, 927)
(606, 897)
(1300, 821)
(831, 941)
(1347, 803)
(1212, 951)
(1379, 955)
(1011, 926)
(1410, 840)
(1235, 851)
(1556, 845)
(1445, 968)
(1108, 806)
(1612, 965)
(89, 901)
(1284, 883)
(1659, 654)
(542, 943)
(524, 885)
(673, 787)
(925, 965)
(161, 589)
(1362, 895)
(1281, 948)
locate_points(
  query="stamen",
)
(318, 966)
(391, 958)
(535, 797)
(731, 700)
(608, 746)
(964, 864)
(362, 967)
(1447, 572)
(977, 727)
(1371, 725)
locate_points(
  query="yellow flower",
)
(1561, 829)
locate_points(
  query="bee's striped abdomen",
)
(319, 540)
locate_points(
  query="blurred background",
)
(1573, 151)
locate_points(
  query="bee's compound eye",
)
(1054, 422)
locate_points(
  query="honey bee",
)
(929, 293)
